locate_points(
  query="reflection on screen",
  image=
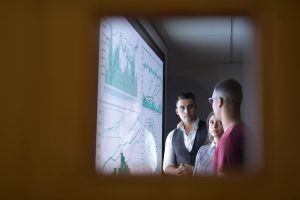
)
(130, 102)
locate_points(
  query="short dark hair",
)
(186, 95)
(231, 90)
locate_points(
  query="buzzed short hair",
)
(231, 90)
(186, 95)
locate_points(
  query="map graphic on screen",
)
(130, 102)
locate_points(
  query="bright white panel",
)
(130, 102)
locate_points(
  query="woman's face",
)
(215, 127)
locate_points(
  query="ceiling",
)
(224, 38)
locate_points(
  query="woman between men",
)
(203, 163)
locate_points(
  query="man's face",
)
(186, 110)
(215, 105)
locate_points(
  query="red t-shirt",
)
(229, 154)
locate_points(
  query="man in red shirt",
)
(226, 102)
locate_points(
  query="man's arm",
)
(170, 170)
(169, 165)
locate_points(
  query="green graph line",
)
(121, 146)
(113, 128)
(148, 100)
(146, 66)
(125, 80)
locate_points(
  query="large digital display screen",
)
(130, 102)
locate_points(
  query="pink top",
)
(229, 154)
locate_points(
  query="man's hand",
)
(184, 170)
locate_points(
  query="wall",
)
(199, 68)
(48, 102)
(198, 77)
(189, 75)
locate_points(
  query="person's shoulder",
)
(204, 147)
(237, 131)
(226, 137)
(171, 133)
(239, 127)
(208, 145)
